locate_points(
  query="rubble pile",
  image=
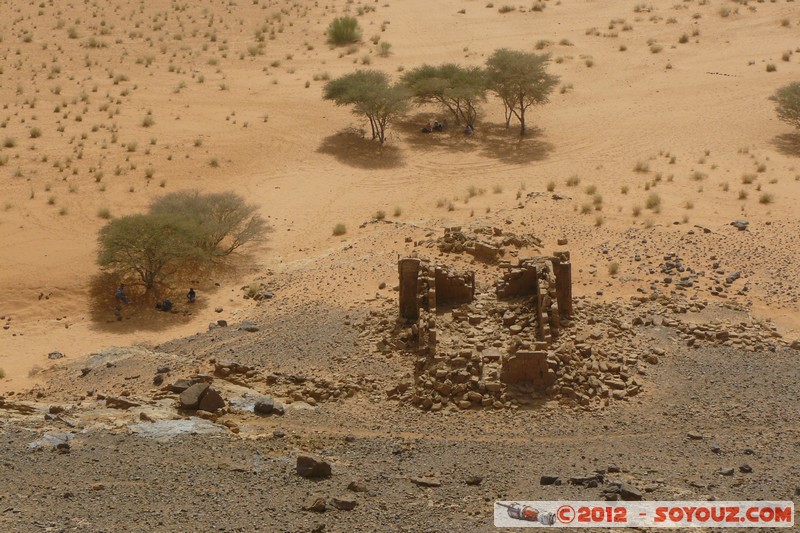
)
(485, 243)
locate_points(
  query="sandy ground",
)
(703, 103)
(636, 113)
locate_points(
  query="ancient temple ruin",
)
(505, 333)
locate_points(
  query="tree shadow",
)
(109, 315)
(787, 144)
(352, 148)
(506, 144)
(493, 141)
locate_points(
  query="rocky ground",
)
(115, 442)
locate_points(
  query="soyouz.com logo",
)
(666, 514)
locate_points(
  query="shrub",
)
(343, 30)
(765, 198)
(573, 181)
(339, 229)
(35, 133)
(787, 103)
(641, 167)
(2, 373)
(104, 213)
(384, 49)
(398, 211)
(506, 9)
(379, 215)
(586, 209)
(742, 195)
(551, 186)
(613, 268)
(9, 142)
(771, 67)
(653, 201)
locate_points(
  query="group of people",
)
(439, 126)
(166, 305)
(436, 126)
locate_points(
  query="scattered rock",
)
(316, 504)
(426, 481)
(120, 403)
(745, 468)
(344, 503)
(55, 355)
(309, 466)
(190, 398)
(474, 480)
(726, 471)
(211, 401)
(548, 480)
(357, 486)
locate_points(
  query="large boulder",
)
(211, 401)
(310, 466)
(190, 398)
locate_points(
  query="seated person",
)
(428, 128)
(191, 295)
(437, 126)
(468, 130)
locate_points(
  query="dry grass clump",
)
(339, 229)
(653, 201)
(641, 167)
(613, 268)
(766, 198)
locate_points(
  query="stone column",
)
(563, 272)
(409, 277)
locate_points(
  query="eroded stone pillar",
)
(563, 270)
(409, 287)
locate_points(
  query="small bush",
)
(591, 189)
(683, 39)
(771, 67)
(624, 189)
(384, 49)
(104, 213)
(613, 268)
(586, 209)
(766, 198)
(653, 201)
(339, 229)
(599, 220)
(573, 181)
(36, 133)
(637, 210)
(642, 167)
(379, 215)
(2, 373)
(506, 9)
(742, 195)
(9, 142)
(398, 211)
(343, 30)
(551, 186)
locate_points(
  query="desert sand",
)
(638, 112)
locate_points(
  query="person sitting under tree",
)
(191, 295)
(120, 294)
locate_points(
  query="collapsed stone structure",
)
(515, 325)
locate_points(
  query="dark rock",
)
(344, 503)
(181, 385)
(55, 355)
(693, 435)
(211, 401)
(726, 471)
(745, 468)
(158, 379)
(190, 398)
(613, 469)
(474, 480)
(162, 370)
(548, 480)
(267, 406)
(222, 323)
(357, 486)
(249, 327)
(310, 466)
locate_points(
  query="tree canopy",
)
(149, 248)
(520, 80)
(182, 232)
(371, 94)
(223, 220)
(458, 89)
(787, 103)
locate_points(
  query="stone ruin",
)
(496, 340)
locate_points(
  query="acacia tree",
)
(222, 221)
(371, 94)
(458, 89)
(520, 80)
(787, 103)
(149, 247)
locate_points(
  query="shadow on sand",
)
(787, 144)
(352, 148)
(493, 141)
